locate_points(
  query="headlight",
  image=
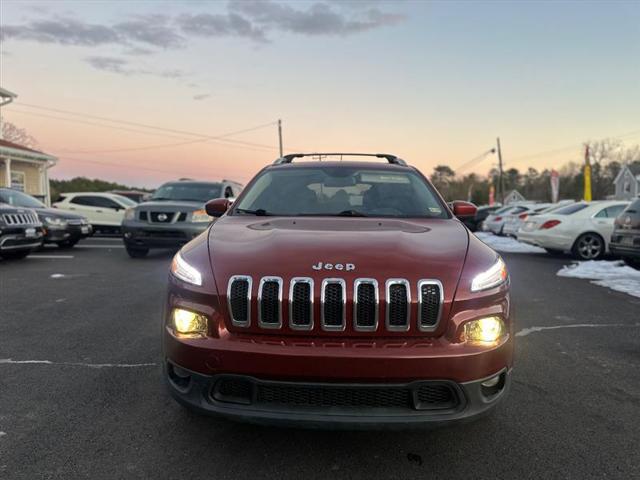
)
(55, 221)
(130, 213)
(200, 216)
(484, 330)
(185, 272)
(493, 277)
(188, 323)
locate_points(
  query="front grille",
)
(398, 301)
(239, 300)
(12, 219)
(161, 217)
(334, 396)
(424, 395)
(429, 304)
(333, 298)
(144, 216)
(365, 306)
(269, 302)
(301, 303)
(400, 314)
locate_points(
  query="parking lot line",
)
(50, 256)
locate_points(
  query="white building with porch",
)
(25, 169)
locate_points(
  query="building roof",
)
(634, 168)
(15, 150)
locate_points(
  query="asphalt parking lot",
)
(81, 394)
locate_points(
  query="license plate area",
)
(30, 233)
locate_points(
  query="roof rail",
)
(291, 156)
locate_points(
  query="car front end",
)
(625, 240)
(20, 232)
(62, 228)
(330, 322)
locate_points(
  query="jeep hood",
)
(378, 248)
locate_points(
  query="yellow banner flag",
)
(587, 175)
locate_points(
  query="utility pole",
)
(280, 136)
(501, 180)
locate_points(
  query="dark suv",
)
(64, 229)
(20, 232)
(625, 240)
(173, 215)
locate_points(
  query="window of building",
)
(17, 181)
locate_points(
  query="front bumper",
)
(70, 233)
(334, 364)
(15, 239)
(337, 405)
(158, 235)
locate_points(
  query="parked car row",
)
(64, 229)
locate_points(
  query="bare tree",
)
(15, 134)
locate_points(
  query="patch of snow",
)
(76, 364)
(507, 244)
(526, 331)
(611, 274)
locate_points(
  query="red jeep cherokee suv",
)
(338, 293)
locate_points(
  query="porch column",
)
(47, 187)
(7, 172)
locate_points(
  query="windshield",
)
(348, 191)
(126, 201)
(19, 199)
(194, 192)
(570, 209)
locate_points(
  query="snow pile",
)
(612, 274)
(507, 244)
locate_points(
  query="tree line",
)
(607, 158)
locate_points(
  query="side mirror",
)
(463, 210)
(217, 207)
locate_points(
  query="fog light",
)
(484, 330)
(188, 323)
(492, 382)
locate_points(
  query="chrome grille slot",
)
(301, 303)
(365, 304)
(20, 219)
(239, 300)
(270, 302)
(430, 300)
(333, 298)
(398, 295)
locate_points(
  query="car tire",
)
(20, 254)
(632, 262)
(66, 244)
(137, 252)
(589, 246)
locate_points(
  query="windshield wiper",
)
(260, 212)
(352, 213)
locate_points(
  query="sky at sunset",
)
(140, 92)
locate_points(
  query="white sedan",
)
(583, 229)
(105, 211)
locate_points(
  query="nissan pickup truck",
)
(338, 294)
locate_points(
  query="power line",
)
(225, 141)
(143, 125)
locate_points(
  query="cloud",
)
(122, 66)
(218, 25)
(64, 31)
(317, 19)
(250, 19)
(154, 30)
(201, 96)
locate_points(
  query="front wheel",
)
(137, 252)
(15, 255)
(589, 246)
